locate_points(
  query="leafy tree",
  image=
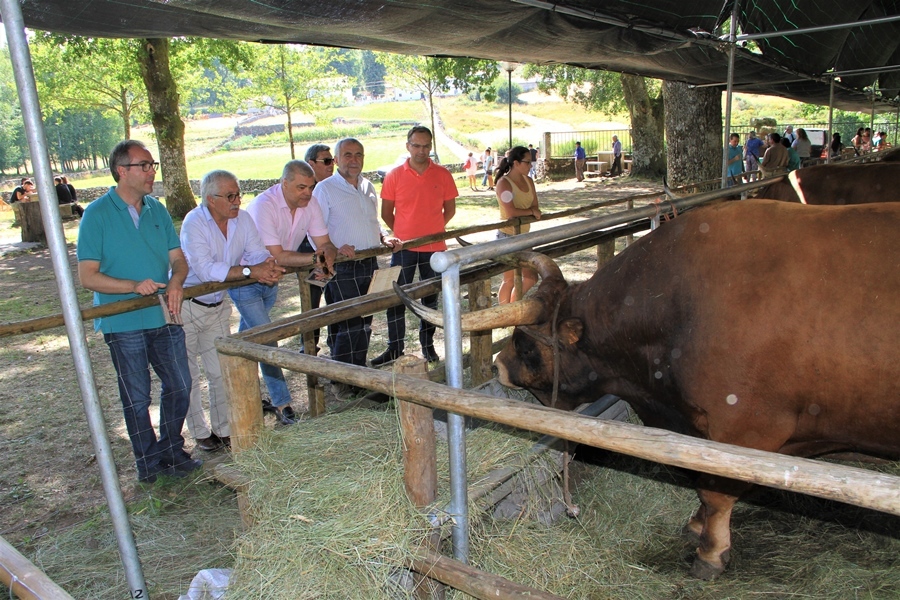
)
(13, 145)
(293, 78)
(159, 62)
(77, 137)
(430, 75)
(78, 72)
(614, 93)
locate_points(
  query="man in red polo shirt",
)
(418, 198)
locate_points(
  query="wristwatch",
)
(246, 272)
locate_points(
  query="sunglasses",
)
(324, 161)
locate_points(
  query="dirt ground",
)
(49, 481)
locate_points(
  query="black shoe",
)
(161, 470)
(267, 406)
(285, 415)
(209, 444)
(386, 357)
(183, 463)
(429, 354)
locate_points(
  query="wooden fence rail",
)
(836, 482)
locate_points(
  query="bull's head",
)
(543, 353)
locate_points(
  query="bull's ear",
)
(570, 330)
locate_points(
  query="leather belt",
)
(213, 305)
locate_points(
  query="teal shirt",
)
(107, 234)
(793, 160)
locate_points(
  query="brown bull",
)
(838, 184)
(762, 324)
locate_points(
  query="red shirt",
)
(419, 202)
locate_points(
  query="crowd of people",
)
(65, 193)
(128, 247)
(779, 153)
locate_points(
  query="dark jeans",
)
(616, 168)
(132, 353)
(396, 315)
(349, 340)
(315, 292)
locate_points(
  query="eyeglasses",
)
(230, 197)
(527, 162)
(324, 161)
(419, 146)
(145, 166)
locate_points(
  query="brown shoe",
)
(226, 441)
(209, 444)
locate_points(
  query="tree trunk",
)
(693, 132)
(431, 112)
(125, 112)
(162, 94)
(287, 104)
(647, 127)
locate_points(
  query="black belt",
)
(213, 305)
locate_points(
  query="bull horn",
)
(523, 312)
(463, 242)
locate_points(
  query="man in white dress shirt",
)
(220, 243)
(350, 208)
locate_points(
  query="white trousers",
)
(202, 326)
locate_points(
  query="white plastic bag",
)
(209, 584)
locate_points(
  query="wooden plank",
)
(481, 355)
(605, 252)
(474, 582)
(25, 580)
(315, 393)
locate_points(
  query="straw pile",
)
(333, 522)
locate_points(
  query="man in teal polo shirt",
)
(126, 248)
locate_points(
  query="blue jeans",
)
(254, 303)
(349, 340)
(132, 353)
(396, 315)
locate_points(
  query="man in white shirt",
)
(220, 243)
(349, 206)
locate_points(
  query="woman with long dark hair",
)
(517, 198)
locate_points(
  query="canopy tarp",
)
(666, 39)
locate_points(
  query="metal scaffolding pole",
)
(20, 56)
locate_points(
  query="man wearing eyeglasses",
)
(418, 198)
(286, 215)
(220, 243)
(126, 247)
(322, 162)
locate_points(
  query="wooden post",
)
(480, 354)
(516, 293)
(28, 214)
(315, 392)
(629, 239)
(605, 252)
(419, 465)
(244, 400)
